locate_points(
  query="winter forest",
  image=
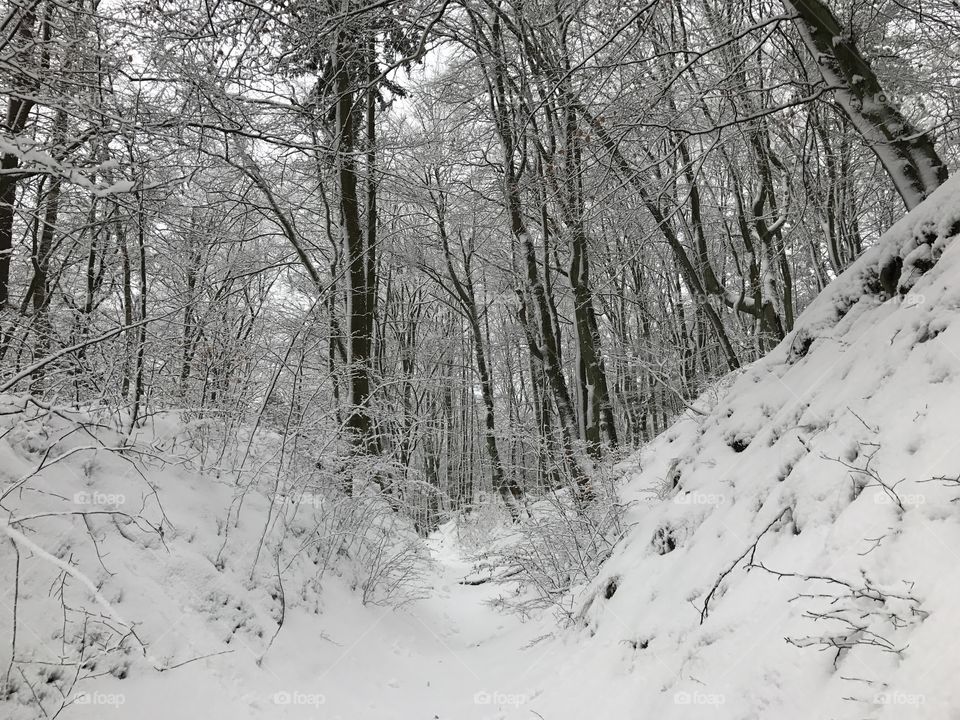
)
(461, 359)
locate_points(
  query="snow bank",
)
(141, 586)
(802, 558)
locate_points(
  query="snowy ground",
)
(794, 553)
(206, 616)
(446, 656)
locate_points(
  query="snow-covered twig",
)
(22, 540)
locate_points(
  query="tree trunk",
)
(907, 154)
(503, 484)
(41, 282)
(359, 313)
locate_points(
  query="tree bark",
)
(359, 312)
(906, 153)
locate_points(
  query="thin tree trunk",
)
(503, 484)
(41, 281)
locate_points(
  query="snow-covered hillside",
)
(798, 556)
(793, 554)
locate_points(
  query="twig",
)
(187, 662)
(488, 578)
(40, 364)
(16, 601)
(34, 693)
(863, 422)
(283, 611)
(751, 550)
(23, 540)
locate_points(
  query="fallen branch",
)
(26, 542)
(751, 551)
(187, 662)
(492, 578)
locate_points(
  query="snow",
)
(792, 553)
(28, 154)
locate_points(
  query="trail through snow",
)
(448, 656)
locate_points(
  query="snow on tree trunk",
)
(906, 153)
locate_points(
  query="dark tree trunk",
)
(359, 312)
(907, 154)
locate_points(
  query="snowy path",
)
(449, 656)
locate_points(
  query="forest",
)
(398, 263)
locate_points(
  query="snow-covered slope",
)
(182, 593)
(796, 552)
(793, 554)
